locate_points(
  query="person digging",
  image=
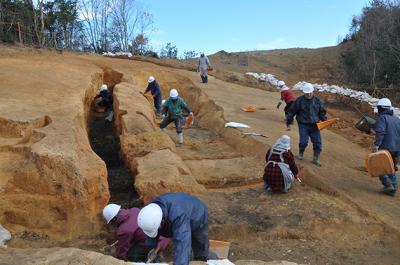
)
(280, 169)
(106, 101)
(173, 112)
(308, 110)
(182, 217)
(131, 244)
(154, 88)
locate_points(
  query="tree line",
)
(372, 47)
(85, 25)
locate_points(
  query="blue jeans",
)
(309, 131)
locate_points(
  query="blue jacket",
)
(182, 215)
(154, 89)
(307, 111)
(387, 129)
(106, 95)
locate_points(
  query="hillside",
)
(61, 162)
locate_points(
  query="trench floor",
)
(105, 142)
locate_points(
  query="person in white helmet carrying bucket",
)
(387, 136)
(308, 110)
(173, 111)
(203, 65)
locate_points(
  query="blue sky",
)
(233, 25)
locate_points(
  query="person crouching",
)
(281, 169)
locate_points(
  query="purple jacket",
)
(129, 233)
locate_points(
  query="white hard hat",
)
(173, 93)
(307, 88)
(151, 79)
(281, 83)
(103, 87)
(110, 211)
(384, 102)
(149, 219)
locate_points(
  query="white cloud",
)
(274, 44)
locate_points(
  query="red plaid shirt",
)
(272, 173)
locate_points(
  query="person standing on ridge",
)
(203, 65)
(308, 110)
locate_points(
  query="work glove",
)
(375, 149)
(152, 255)
(279, 104)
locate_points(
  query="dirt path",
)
(342, 160)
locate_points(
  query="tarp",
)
(220, 262)
(236, 125)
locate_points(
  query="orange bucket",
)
(221, 248)
(379, 163)
(189, 121)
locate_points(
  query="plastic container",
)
(323, 124)
(379, 163)
(221, 248)
(365, 124)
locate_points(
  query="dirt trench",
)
(104, 138)
(105, 142)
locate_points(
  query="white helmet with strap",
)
(110, 211)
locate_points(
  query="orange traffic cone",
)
(249, 108)
(323, 124)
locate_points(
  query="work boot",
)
(388, 187)
(206, 79)
(180, 140)
(300, 156)
(316, 160)
(203, 79)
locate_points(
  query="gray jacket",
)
(204, 63)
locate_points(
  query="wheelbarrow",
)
(365, 124)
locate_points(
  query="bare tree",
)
(96, 14)
(130, 21)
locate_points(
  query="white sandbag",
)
(4, 236)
